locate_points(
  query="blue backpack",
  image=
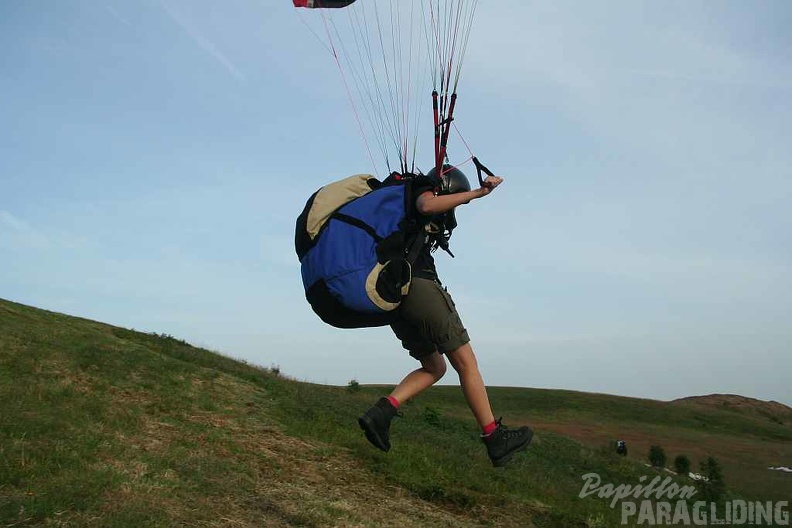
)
(357, 240)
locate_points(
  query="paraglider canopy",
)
(322, 3)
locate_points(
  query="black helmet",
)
(452, 181)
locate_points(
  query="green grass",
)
(103, 426)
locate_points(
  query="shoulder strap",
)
(415, 246)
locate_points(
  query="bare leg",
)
(464, 362)
(432, 369)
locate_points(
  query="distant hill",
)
(773, 410)
(106, 426)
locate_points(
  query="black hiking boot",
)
(502, 444)
(376, 423)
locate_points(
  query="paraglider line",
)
(310, 29)
(377, 119)
(349, 94)
(463, 140)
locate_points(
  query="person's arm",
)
(429, 205)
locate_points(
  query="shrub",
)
(353, 386)
(714, 486)
(657, 456)
(682, 465)
(431, 416)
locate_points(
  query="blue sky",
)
(154, 157)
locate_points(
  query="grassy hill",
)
(103, 426)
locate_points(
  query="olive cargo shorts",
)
(428, 320)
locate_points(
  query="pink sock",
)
(488, 429)
(393, 401)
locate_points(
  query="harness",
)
(357, 240)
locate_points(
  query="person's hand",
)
(489, 185)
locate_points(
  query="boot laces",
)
(505, 430)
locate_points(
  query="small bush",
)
(353, 386)
(682, 465)
(657, 456)
(431, 416)
(713, 488)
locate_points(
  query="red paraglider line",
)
(349, 93)
(470, 151)
(452, 167)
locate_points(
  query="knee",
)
(440, 370)
(463, 359)
(436, 366)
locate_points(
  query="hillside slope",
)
(772, 410)
(103, 426)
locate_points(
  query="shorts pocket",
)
(447, 298)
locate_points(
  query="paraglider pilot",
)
(431, 329)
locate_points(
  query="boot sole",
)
(505, 459)
(367, 425)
